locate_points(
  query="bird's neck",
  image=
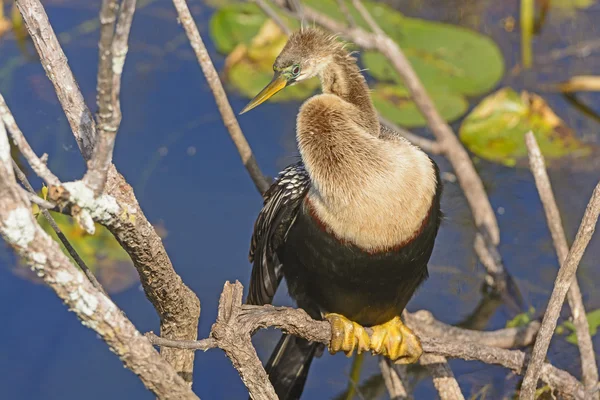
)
(342, 78)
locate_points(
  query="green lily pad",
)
(443, 55)
(495, 130)
(234, 24)
(395, 104)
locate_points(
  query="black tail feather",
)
(288, 366)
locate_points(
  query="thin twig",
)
(574, 297)
(269, 12)
(368, 18)
(297, 322)
(93, 308)
(346, 12)
(19, 140)
(443, 377)
(112, 52)
(561, 286)
(565, 280)
(212, 77)
(35, 199)
(58, 71)
(70, 249)
(395, 384)
(507, 338)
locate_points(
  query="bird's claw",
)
(396, 341)
(347, 335)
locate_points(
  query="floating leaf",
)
(443, 56)
(235, 24)
(395, 104)
(495, 130)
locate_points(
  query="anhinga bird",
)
(352, 226)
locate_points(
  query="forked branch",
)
(177, 306)
(115, 24)
(565, 278)
(92, 307)
(240, 321)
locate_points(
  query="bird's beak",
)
(277, 83)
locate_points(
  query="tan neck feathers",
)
(371, 192)
(342, 78)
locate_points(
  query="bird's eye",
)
(295, 70)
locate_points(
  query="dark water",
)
(188, 177)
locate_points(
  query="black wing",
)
(282, 202)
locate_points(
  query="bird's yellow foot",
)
(396, 341)
(347, 335)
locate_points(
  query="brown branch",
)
(395, 379)
(346, 12)
(506, 338)
(70, 249)
(19, 140)
(368, 18)
(177, 306)
(443, 378)
(582, 329)
(93, 308)
(54, 62)
(565, 279)
(561, 381)
(112, 51)
(248, 319)
(451, 148)
(212, 77)
(35, 199)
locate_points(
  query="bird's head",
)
(306, 53)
